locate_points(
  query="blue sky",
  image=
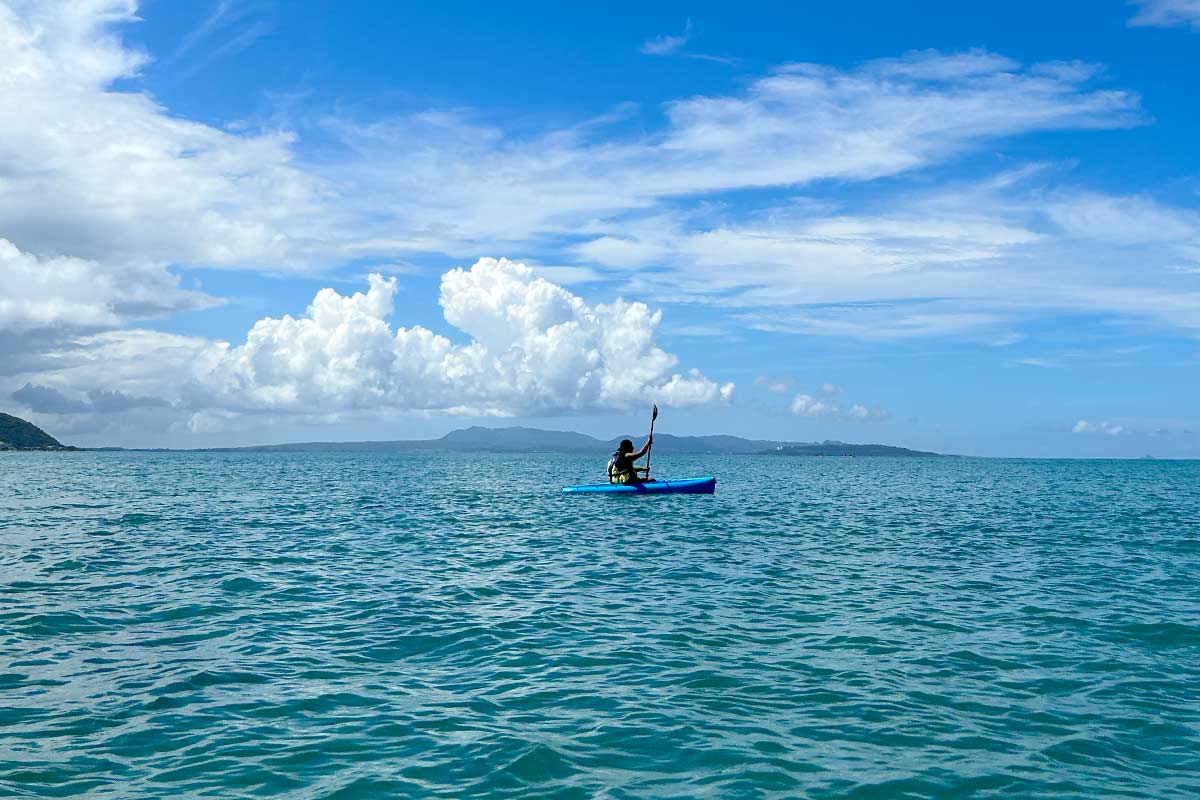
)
(967, 229)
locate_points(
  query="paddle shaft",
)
(650, 452)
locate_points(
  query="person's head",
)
(626, 446)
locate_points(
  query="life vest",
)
(619, 476)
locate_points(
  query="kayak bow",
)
(673, 486)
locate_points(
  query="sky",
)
(970, 228)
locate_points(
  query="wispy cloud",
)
(1042, 363)
(1106, 428)
(974, 259)
(242, 39)
(223, 14)
(675, 45)
(666, 45)
(230, 27)
(444, 182)
(1167, 14)
(775, 385)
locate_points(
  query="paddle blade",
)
(654, 413)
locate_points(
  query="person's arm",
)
(645, 449)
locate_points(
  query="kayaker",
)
(621, 468)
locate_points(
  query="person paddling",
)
(621, 468)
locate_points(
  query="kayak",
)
(671, 486)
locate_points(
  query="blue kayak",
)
(674, 486)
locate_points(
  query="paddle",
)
(653, 416)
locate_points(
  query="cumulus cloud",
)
(531, 347)
(1107, 428)
(1167, 13)
(824, 404)
(534, 348)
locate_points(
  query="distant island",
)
(478, 439)
(17, 434)
(831, 448)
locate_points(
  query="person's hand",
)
(650, 439)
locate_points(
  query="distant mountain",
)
(535, 440)
(521, 440)
(843, 449)
(478, 439)
(17, 434)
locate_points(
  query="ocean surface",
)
(178, 625)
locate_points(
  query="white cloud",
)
(534, 348)
(969, 259)
(230, 20)
(881, 322)
(824, 404)
(806, 122)
(860, 412)
(809, 406)
(567, 276)
(774, 385)
(1167, 13)
(110, 176)
(79, 294)
(1123, 219)
(121, 181)
(1107, 428)
(103, 188)
(666, 45)
(136, 362)
(1042, 363)
(931, 65)
(457, 184)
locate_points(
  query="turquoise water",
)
(328, 626)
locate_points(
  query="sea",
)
(350, 625)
